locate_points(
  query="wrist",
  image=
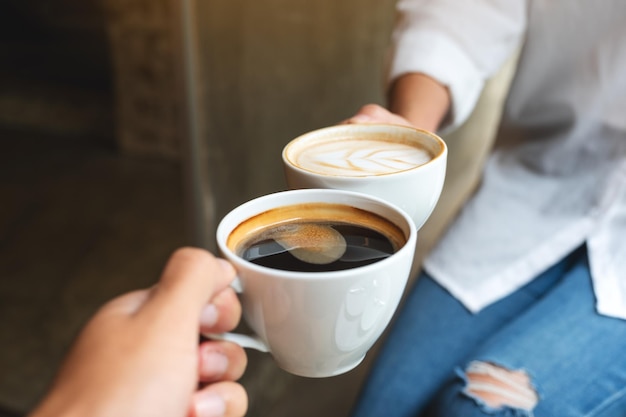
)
(421, 100)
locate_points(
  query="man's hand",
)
(140, 354)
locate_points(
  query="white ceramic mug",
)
(318, 324)
(400, 164)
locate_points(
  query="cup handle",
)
(236, 285)
(245, 341)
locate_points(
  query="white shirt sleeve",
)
(458, 43)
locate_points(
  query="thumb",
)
(189, 280)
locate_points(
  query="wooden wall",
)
(268, 70)
(261, 73)
(55, 74)
(273, 69)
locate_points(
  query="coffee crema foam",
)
(360, 157)
(264, 225)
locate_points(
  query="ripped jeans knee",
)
(491, 389)
(495, 388)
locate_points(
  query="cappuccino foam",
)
(359, 157)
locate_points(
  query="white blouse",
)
(557, 176)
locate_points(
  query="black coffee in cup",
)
(358, 246)
(316, 237)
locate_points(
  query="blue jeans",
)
(549, 329)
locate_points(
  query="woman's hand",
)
(140, 354)
(415, 99)
(373, 113)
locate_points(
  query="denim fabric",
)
(576, 359)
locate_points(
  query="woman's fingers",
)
(220, 360)
(373, 113)
(226, 399)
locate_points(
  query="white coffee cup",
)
(400, 164)
(317, 324)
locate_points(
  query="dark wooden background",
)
(93, 124)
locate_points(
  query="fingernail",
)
(226, 266)
(208, 317)
(214, 364)
(361, 118)
(210, 405)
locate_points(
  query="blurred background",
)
(110, 110)
(127, 127)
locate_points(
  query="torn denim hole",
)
(496, 389)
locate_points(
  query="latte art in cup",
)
(399, 164)
(354, 157)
